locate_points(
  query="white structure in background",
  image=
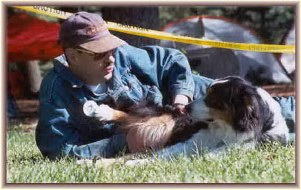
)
(288, 59)
(256, 67)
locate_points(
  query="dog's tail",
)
(148, 133)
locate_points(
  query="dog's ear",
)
(245, 113)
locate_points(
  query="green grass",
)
(270, 164)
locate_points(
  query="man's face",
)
(92, 68)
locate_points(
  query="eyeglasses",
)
(96, 55)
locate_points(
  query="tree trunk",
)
(34, 76)
(144, 17)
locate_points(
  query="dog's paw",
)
(107, 162)
(102, 112)
(100, 163)
(105, 112)
(85, 162)
(136, 162)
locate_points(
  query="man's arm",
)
(60, 133)
(168, 69)
(56, 137)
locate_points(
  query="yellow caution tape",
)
(167, 36)
(45, 11)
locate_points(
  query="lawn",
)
(269, 164)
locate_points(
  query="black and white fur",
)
(237, 113)
(234, 112)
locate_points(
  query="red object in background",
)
(29, 38)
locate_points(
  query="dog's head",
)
(231, 99)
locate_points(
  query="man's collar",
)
(61, 66)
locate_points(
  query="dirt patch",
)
(27, 118)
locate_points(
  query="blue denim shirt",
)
(151, 74)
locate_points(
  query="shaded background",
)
(27, 66)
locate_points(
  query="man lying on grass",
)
(101, 67)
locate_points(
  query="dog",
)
(233, 112)
(238, 113)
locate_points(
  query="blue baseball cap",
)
(88, 31)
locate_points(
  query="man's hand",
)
(180, 101)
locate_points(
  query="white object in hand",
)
(102, 112)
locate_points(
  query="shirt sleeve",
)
(57, 138)
(166, 68)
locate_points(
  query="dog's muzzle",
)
(198, 110)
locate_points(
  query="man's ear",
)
(71, 55)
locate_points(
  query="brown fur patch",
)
(149, 132)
